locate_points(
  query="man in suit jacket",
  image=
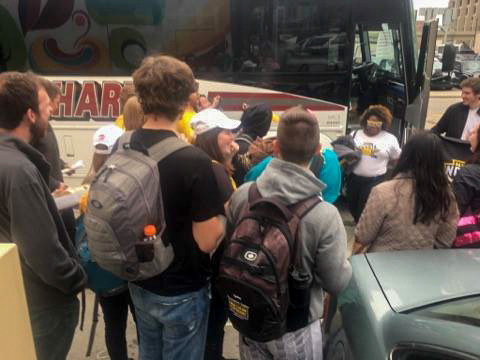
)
(462, 117)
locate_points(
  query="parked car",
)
(464, 69)
(408, 305)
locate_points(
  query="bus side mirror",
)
(448, 58)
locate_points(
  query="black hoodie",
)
(466, 186)
(255, 123)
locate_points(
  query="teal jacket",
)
(330, 174)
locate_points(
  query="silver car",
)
(408, 305)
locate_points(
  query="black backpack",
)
(261, 276)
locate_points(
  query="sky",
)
(430, 3)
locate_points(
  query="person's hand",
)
(61, 187)
(215, 102)
(260, 149)
(60, 190)
(69, 171)
(359, 248)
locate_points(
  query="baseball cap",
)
(209, 119)
(105, 137)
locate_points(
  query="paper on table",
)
(77, 165)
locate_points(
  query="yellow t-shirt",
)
(183, 125)
(120, 122)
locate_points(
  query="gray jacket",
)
(322, 232)
(29, 218)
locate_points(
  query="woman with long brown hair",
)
(214, 136)
(414, 210)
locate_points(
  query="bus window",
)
(357, 52)
(385, 49)
(284, 47)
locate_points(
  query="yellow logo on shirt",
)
(452, 167)
(369, 149)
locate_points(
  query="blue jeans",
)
(53, 330)
(171, 327)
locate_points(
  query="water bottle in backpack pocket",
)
(261, 276)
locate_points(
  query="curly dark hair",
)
(423, 158)
(163, 85)
(381, 112)
(18, 93)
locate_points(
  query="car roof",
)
(413, 279)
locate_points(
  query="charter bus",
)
(336, 57)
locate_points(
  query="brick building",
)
(465, 26)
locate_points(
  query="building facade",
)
(464, 25)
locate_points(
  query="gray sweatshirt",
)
(322, 232)
(29, 218)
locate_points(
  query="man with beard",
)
(29, 218)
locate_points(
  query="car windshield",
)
(470, 66)
(465, 311)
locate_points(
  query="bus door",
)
(416, 113)
(378, 75)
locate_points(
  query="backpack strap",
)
(124, 140)
(253, 193)
(316, 164)
(256, 200)
(166, 147)
(299, 211)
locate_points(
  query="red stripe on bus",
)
(242, 96)
(286, 107)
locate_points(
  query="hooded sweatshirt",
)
(29, 218)
(322, 233)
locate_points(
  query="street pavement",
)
(439, 101)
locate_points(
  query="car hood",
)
(412, 279)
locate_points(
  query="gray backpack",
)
(124, 197)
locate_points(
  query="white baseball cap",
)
(105, 137)
(209, 119)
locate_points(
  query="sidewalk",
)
(454, 93)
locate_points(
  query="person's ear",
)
(318, 150)
(30, 116)
(276, 149)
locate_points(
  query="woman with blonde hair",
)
(133, 114)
